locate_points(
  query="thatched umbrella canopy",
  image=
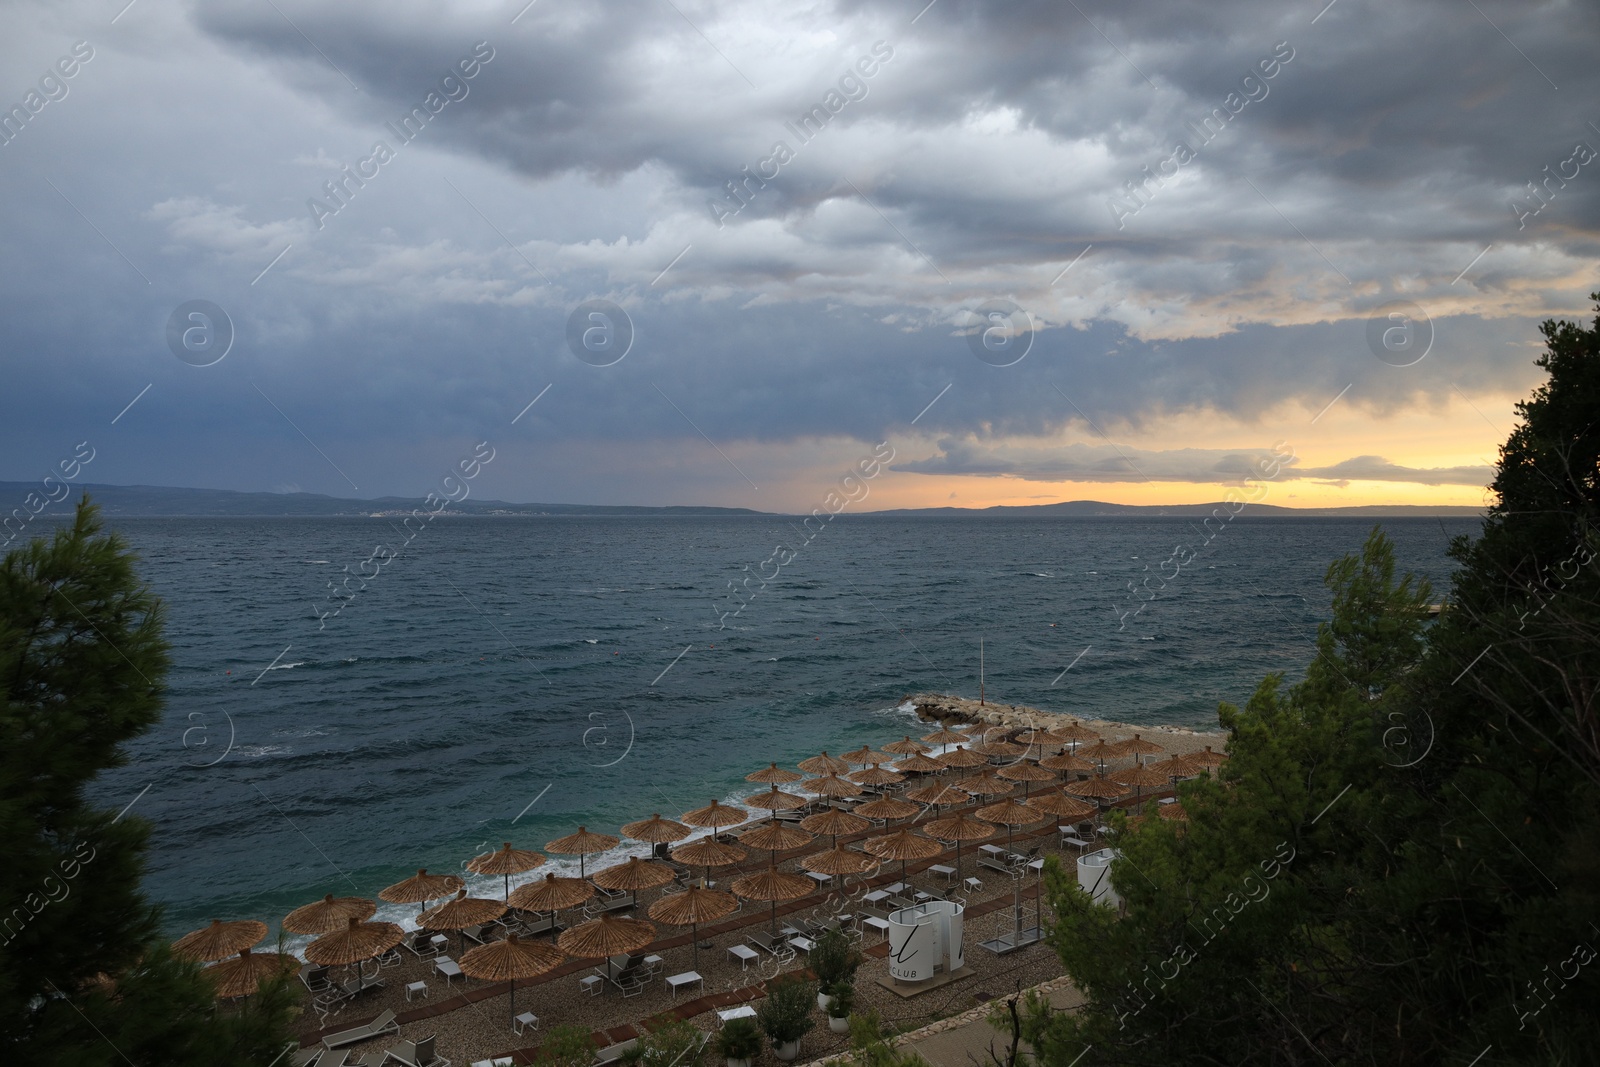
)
(1101, 751)
(1036, 737)
(986, 784)
(958, 828)
(243, 975)
(875, 775)
(776, 799)
(1025, 773)
(1010, 814)
(999, 748)
(1061, 806)
(946, 736)
(824, 764)
(656, 831)
(1175, 767)
(773, 885)
(962, 756)
(1175, 811)
(907, 747)
(1140, 776)
(632, 876)
(887, 808)
(919, 764)
(937, 793)
(831, 785)
(1074, 731)
(506, 861)
(1207, 760)
(775, 837)
(356, 942)
(328, 914)
(554, 893)
(1138, 746)
(1066, 761)
(692, 907)
(772, 773)
(834, 822)
(903, 845)
(609, 935)
(714, 816)
(219, 940)
(462, 912)
(860, 756)
(421, 888)
(582, 844)
(708, 852)
(837, 860)
(1099, 788)
(500, 961)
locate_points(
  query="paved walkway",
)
(969, 1044)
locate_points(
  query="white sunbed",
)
(383, 1024)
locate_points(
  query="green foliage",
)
(841, 999)
(785, 1014)
(566, 1045)
(739, 1039)
(82, 661)
(833, 958)
(870, 1047)
(671, 1042)
(1400, 864)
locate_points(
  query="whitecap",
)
(591, 641)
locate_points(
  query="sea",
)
(514, 678)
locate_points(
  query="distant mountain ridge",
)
(169, 501)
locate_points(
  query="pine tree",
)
(86, 977)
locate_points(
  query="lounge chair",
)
(420, 944)
(474, 933)
(613, 1053)
(383, 1024)
(307, 1057)
(314, 978)
(417, 1054)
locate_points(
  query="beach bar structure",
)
(925, 939)
(1094, 877)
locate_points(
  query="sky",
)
(688, 252)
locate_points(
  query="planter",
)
(823, 1000)
(839, 1025)
(787, 1051)
(738, 1063)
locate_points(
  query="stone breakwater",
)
(945, 708)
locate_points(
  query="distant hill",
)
(157, 500)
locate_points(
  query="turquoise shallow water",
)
(509, 679)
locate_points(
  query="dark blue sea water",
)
(509, 679)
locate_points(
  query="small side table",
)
(416, 989)
(591, 984)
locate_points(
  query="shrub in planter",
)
(785, 1015)
(671, 1042)
(833, 959)
(739, 1041)
(841, 1001)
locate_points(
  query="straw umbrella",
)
(1174, 811)
(632, 876)
(958, 828)
(876, 775)
(609, 935)
(510, 959)
(708, 852)
(860, 756)
(1174, 767)
(1074, 731)
(1025, 773)
(775, 837)
(1010, 814)
(243, 975)
(1137, 746)
(986, 784)
(773, 885)
(1141, 777)
(581, 844)
(656, 831)
(1101, 751)
(1207, 760)
(506, 861)
(834, 822)
(919, 764)
(1068, 762)
(903, 845)
(462, 912)
(776, 800)
(328, 914)
(358, 941)
(907, 747)
(945, 736)
(837, 861)
(999, 748)
(553, 894)
(823, 764)
(1061, 806)
(714, 816)
(219, 940)
(771, 773)
(692, 907)
(421, 888)
(831, 785)
(887, 808)
(1099, 788)
(937, 793)
(963, 757)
